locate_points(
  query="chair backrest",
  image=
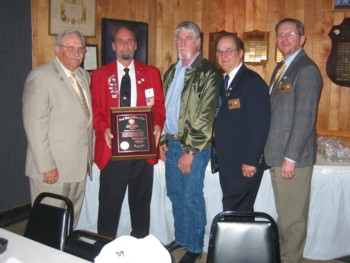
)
(50, 225)
(243, 237)
(85, 244)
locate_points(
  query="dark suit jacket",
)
(147, 77)
(294, 111)
(242, 123)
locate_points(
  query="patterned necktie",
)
(81, 96)
(277, 78)
(125, 90)
(223, 90)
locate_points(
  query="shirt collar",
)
(67, 71)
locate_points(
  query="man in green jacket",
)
(192, 87)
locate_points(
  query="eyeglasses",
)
(286, 35)
(227, 52)
(72, 48)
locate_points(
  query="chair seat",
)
(85, 244)
(243, 237)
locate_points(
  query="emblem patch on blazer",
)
(287, 88)
(234, 104)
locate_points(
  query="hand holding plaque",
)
(132, 129)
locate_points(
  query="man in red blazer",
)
(116, 176)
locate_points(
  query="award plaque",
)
(132, 129)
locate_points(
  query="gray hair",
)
(189, 26)
(68, 32)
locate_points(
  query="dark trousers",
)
(239, 192)
(137, 175)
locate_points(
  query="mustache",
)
(126, 54)
(188, 53)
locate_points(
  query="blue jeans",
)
(186, 194)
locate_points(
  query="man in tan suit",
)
(58, 122)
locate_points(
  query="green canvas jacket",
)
(199, 100)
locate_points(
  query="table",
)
(328, 235)
(24, 250)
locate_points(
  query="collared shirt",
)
(121, 73)
(290, 59)
(69, 75)
(173, 98)
(233, 73)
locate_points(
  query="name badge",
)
(149, 93)
(287, 88)
(234, 104)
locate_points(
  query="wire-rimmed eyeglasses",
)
(287, 35)
(73, 48)
(227, 52)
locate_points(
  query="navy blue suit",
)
(241, 130)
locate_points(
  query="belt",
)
(174, 137)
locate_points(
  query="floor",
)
(176, 255)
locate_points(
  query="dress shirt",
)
(233, 73)
(173, 98)
(77, 77)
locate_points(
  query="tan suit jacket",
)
(59, 135)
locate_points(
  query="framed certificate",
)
(132, 129)
(90, 62)
(74, 15)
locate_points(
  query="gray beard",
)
(126, 55)
(188, 55)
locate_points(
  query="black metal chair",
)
(50, 225)
(85, 244)
(243, 237)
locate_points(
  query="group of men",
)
(254, 126)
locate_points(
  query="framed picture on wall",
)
(90, 62)
(108, 28)
(72, 14)
(341, 5)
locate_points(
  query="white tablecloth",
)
(23, 250)
(328, 234)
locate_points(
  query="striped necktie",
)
(81, 96)
(277, 78)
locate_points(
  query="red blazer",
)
(103, 98)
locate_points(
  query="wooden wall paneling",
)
(260, 23)
(205, 25)
(230, 14)
(168, 51)
(333, 117)
(239, 17)
(160, 57)
(217, 15)
(276, 10)
(213, 16)
(43, 44)
(250, 10)
(152, 32)
(344, 110)
(320, 49)
(295, 9)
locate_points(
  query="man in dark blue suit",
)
(241, 127)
